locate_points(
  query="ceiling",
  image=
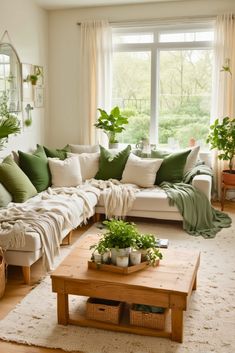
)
(66, 4)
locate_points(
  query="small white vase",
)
(105, 257)
(119, 252)
(122, 261)
(135, 257)
(97, 258)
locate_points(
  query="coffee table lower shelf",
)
(80, 320)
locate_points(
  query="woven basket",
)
(2, 274)
(146, 319)
(103, 310)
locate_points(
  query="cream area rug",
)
(209, 322)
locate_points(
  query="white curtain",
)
(95, 77)
(223, 87)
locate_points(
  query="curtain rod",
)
(159, 20)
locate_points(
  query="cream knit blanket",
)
(47, 214)
(118, 197)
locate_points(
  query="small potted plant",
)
(222, 137)
(112, 124)
(9, 123)
(101, 253)
(147, 243)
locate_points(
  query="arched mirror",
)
(10, 77)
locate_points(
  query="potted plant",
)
(9, 124)
(119, 237)
(147, 244)
(222, 137)
(33, 78)
(101, 253)
(112, 124)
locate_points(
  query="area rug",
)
(209, 322)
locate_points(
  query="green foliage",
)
(146, 241)
(222, 137)
(101, 246)
(153, 255)
(111, 123)
(120, 234)
(9, 124)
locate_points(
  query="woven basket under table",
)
(147, 319)
(103, 310)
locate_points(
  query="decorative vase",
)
(106, 257)
(135, 257)
(119, 252)
(122, 261)
(97, 257)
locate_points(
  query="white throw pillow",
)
(140, 171)
(84, 148)
(89, 164)
(66, 172)
(191, 159)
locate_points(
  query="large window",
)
(162, 82)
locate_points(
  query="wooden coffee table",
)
(169, 285)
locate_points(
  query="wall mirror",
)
(10, 77)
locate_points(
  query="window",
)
(162, 82)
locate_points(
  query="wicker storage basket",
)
(2, 274)
(103, 310)
(147, 319)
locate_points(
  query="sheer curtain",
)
(223, 87)
(95, 77)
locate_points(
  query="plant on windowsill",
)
(112, 124)
(222, 137)
(9, 123)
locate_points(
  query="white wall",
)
(64, 53)
(27, 26)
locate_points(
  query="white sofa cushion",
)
(84, 148)
(89, 164)
(65, 172)
(141, 172)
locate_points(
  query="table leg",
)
(177, 325)
(62, 308)
(195, 283)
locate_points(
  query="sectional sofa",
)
(150, 202)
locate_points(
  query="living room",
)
(148, 45)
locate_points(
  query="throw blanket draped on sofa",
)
(45, 215)
(199, 217)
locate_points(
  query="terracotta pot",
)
(228, 178)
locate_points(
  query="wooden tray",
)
(112, 268)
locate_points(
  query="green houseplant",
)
(9, 124)
(112, 123)
(147, 244)
(222, 137)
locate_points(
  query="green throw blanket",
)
(199, 217)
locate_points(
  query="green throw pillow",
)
(5, 196)
(57, 153)
(36, 167)
(15, 181)
(172, 167)
(112, 166)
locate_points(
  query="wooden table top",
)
(174, 274)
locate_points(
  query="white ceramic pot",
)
(122, 261)
(97, 257)
(105, 257)
(119, 252)
(135, 257)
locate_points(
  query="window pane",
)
(131, 92)
(186, 37)
(185, 96)
(132, 38)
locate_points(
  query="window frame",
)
(154, 48)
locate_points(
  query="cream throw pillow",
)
(65, 172)
(191, 159)
(141, 172)
(89, 164)
(84, 148)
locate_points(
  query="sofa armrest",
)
(204, 183)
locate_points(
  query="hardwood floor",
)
(16, 290)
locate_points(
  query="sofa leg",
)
(69, 237)
(26, 274)
(96, 217)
